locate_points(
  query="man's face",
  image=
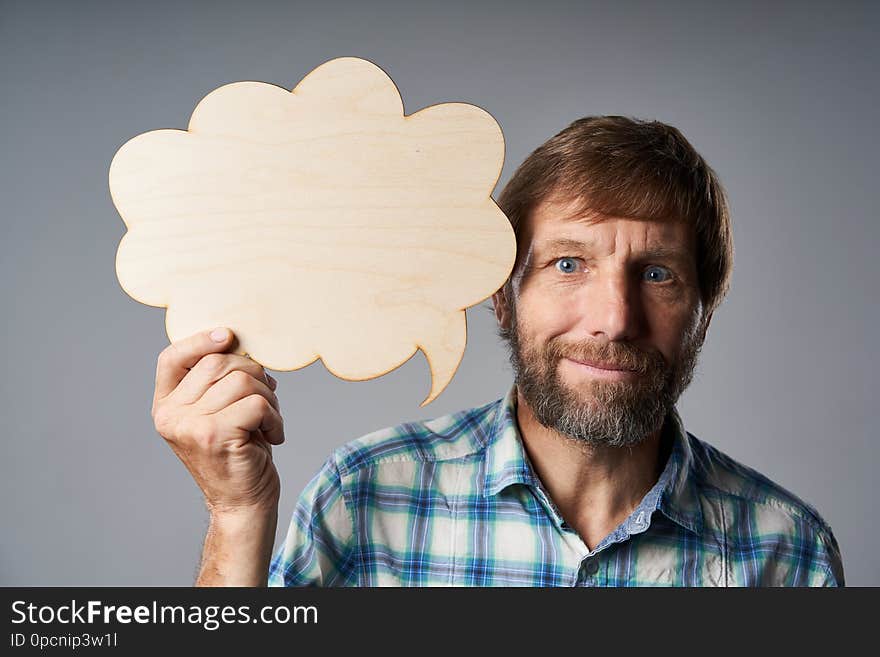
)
(621, 294)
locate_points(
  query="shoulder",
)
(717, 471)
(757, 514)
(377, 472)
(456, 435)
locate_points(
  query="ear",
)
(502, 309)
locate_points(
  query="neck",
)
(595, 487)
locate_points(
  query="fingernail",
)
(272, 381)
(219, 334)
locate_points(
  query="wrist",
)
(238, 546)
(244, 519)
(266, 505)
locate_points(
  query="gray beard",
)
(607, 413)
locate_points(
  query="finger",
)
(254, 413)
(179, 357)
(232, 387)
(209, 370)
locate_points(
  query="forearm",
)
(238, 548)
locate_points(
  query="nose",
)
(612, 309)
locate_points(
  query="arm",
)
(238, 548)
(219, 413)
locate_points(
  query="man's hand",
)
(220, 415)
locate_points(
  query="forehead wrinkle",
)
(658, 250)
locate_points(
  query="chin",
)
(584, 391)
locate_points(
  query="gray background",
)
(780, 99)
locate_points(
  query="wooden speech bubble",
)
(318, 223)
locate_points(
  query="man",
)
(583, 474)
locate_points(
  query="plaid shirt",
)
(454, 501)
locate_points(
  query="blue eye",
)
(663, 271)
(567, 265)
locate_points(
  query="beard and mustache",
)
(601, 412)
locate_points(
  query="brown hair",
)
(623, 167)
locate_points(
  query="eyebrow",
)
(656, 251)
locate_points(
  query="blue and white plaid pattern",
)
(454, 501)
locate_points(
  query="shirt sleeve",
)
(829, 565)
(317, 550)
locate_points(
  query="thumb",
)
(180, 356)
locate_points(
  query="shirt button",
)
(592, 566)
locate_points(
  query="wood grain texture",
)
(318, 223)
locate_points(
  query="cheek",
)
(545, 314)
(675, 334)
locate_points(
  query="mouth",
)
(603, 370)
(602, 366)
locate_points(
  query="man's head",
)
(624, 252)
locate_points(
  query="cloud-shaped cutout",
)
(318, 223)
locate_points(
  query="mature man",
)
(583, 473)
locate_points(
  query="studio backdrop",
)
(780, 98)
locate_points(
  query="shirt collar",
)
(674, 494)
(505, 457)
